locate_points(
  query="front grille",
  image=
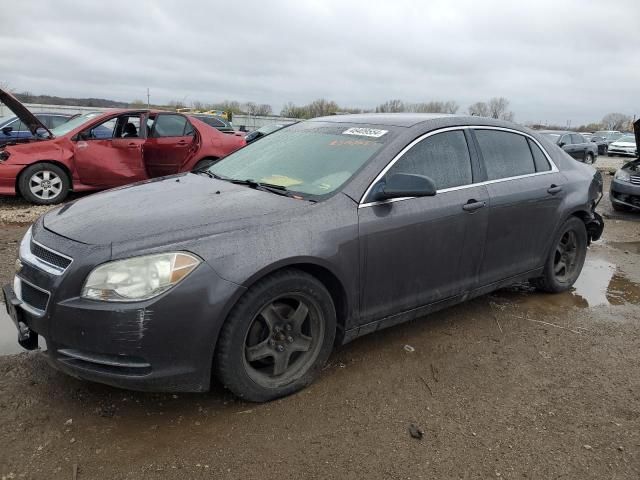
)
(49, 256)
(33, 296)
(635, 179)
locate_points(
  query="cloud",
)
(555, 61)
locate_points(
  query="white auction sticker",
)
(365, 132)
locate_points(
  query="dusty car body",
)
(325, 232)
(104, 150)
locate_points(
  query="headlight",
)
(622, 175)
(138, 278)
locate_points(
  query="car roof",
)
(558, 132)
(390, 119)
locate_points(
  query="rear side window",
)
(539, 159)
(443, 157)
(212, 121)
(505, 154)
(171, 126)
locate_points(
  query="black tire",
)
(204, 163)
(555, 278)
(53, 187)
(588, 158)
(263, 325)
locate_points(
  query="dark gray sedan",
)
(254, 269)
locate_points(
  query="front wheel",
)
(277, 337)
(565, 261)
(44, 184)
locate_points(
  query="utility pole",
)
(148, 104)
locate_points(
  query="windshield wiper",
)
(211, 174)
(268, 187)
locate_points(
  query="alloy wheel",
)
(283, 340)
(566, 256)
(45, 184)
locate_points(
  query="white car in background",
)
(625, 145)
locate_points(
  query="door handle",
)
(553, 189)
(133, 145)
(182, 143)
(473, 205)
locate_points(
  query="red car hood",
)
(20, 111)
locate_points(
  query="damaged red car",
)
(102, 150)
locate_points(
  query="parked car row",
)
(102, 150)
(574, 144)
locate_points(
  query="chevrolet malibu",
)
(101, 150)
(252, 270)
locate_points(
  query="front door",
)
(417, 251)
(525, 193)
(170, 145)
(110, 154)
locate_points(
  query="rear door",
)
(171, 143)
(580, 144)
(416, 251)
(110, 154)
(525, 191)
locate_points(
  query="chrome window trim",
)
(26, 255)
(24, 305)
(554, 168)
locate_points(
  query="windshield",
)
(73, 123)
(311, 158)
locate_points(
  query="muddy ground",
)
(515, 384)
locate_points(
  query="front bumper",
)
(163, 344)
(624, 193)
(625, 152)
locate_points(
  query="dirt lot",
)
(516, 384)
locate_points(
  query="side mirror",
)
(402, 185)
(561, 144)
(84, 135)
(7, 130)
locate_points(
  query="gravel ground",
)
(515, 384)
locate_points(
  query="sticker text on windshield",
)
(365, 132)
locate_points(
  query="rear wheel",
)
(588, 158)
(277, 338)
(44, 184)
(565, 261)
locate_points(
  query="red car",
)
(102, 150)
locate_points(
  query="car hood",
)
(22, 112)
(170, 209)
(623, 144)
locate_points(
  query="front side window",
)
(505, 154)
(576, 138)
(310, 158)
(167, 125)
(565, 140)
(443, 157)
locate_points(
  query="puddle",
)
(8, 334)
(627, 247)
(600, 283)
